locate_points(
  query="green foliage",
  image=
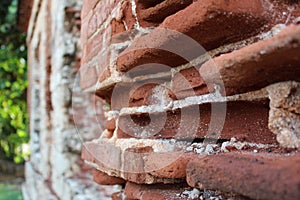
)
(7, 192)
(13, 84)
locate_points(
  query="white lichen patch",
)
(204, 149)
(284, 117)
(158, 145)
(240, 145)
(199, 194)
(192, 101)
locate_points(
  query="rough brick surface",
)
(101, 20)
(256, 176)
(136, 57)
(176, 169)
(257, 65)
(242, 121)
(104, 179)
(159, 192)
(157, 13)
(138, 165)
(284, 118)
(188, 82)
(207, 22)
(173, 192)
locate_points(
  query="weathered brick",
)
(134, 164)
(137, 164)
(92, 25)
(23, 16)
(88, 76)
(87, 7)
(96, 38)
(104, 179)
(257, 65)
(105, 155)
(93, 72)
(119, 196)
(158, 192)
(168, 165)
(84, 33)
(284, 118)
(133, 94)
(258, 176)
(188, 82)
(210, 23)
(127, 18)
(242, 121)
(155, 14)
(111, 124)
(93, 47)
(117, 27)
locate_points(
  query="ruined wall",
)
(55, 170)
(203, 97)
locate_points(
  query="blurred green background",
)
(9, 192)
(13, 83)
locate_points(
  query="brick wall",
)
(23, 15)
(203, 97)
(55, 170)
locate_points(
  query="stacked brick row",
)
(202, 97)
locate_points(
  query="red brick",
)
(157, 192)
(133, 94)
(111, 124)
(188, 82)
(105, 155)
(93, 47)
(127, 16)
(104, 74)
(258, 176)
(102, 11)
(84, 33)
(23, 17)
(117, 26)
(88, 76)
(134, 164)
(138, 164)
(257, 65)
(157, 13)
(210, 23)
(119, 196)
(168, 165)
(87, 7)
(95, 18)
(104, 179)
(92, 25)
(93, 43)
(247, 121)
(93, 71)
(108, 157)
(284, 12)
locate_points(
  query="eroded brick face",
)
(196, 90)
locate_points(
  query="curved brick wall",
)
(197, 99)
(184, 122)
